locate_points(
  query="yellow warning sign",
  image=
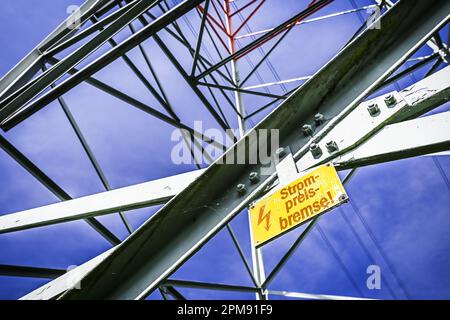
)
(308, 196)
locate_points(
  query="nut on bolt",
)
(331, 146)
(373, 109)
(315, 150)
(253, 177)
(307, 130)
(241, 188)
(390, 100)
(319, 119)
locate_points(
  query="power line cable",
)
(339, 260)
(378, 246)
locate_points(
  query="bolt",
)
(390, 100)
(373, 109)
(241, 188)
(319, 119)
(307, 130)
(253, 177)
(315, 150)
(343, 197)
(280, 152)
(331, 146)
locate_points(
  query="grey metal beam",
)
(140, 75)
(208, 286)
(49, 77)
(241, 254)
(98, 64)
(71, 278)
(298, 241)
(182, 39)
(408, 70)
(289, 253)
(222, 122)
(174, 293)
(90, 155)
(204, 64)
(406, 139)
(307, 21)
(30, 272)
(96, 26)
(106, 8)
(163, 293)
(186, 222)
(409, 103)
(101, 229)
(237, 89)
(310, 296)
(31, 168)
(123, 199)
(31, 64)
(200, 37)
(275, 31)
(142, 106)
(151, 69)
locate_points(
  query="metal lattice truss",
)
(328, 118)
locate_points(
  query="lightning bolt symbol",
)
(263, 217)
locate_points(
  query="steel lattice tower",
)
(340, 109)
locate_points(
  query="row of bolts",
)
(314, 148)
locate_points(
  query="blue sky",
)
(404, 203)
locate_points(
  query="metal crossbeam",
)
(31, 272)
(208, 286)
(123, 199)
(402, 140)
(13, 116)
(70, 279)
(32, 63)
(97, 26)
(309, 296)
(393, 107)
(275, 31)
(141, 106)
(49, 77)
(328, 16)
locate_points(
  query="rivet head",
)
(241, 188)
(373, 109)
(319, 119)
(390, 100)
(280, 152)
(331, 146)
(315, 150)
(307, 130)
(254, 177)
